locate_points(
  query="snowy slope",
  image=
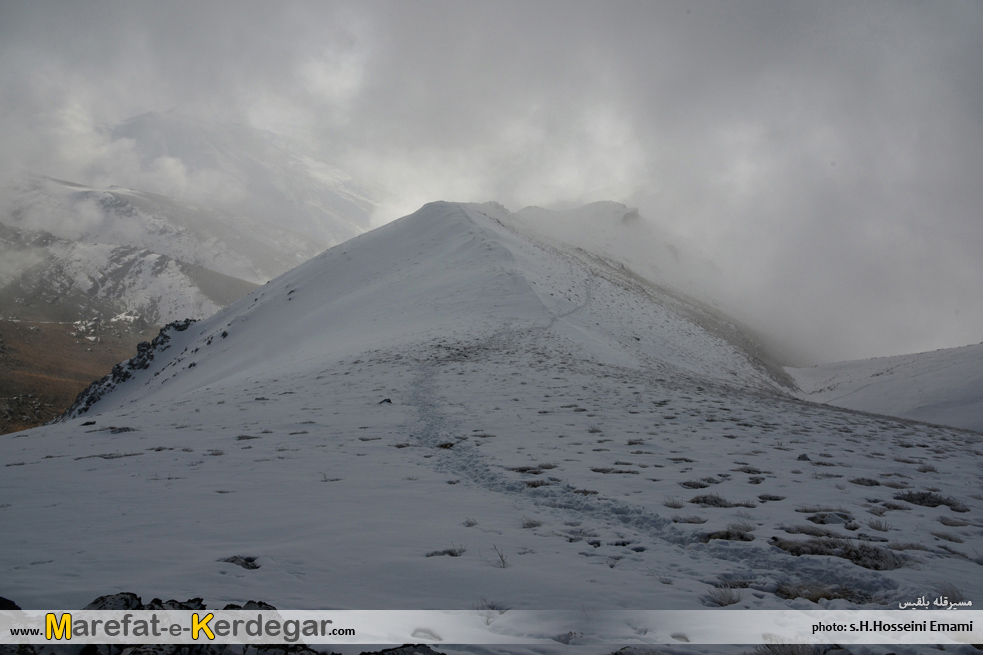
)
(943, 387)
(55, 279)
(577, 436)
(619, 233)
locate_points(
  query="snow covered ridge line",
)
(939, 387)
(124, 370)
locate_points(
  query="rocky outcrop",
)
(124, 370)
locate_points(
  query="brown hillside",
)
(44, 366)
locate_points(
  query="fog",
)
(826, 156)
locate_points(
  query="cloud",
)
(827, 156)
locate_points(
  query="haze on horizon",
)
(826, 156)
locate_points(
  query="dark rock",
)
(121, 601)
(7, 604)
(17, 649)
(190, 604)
(124, 370)
(245, 562)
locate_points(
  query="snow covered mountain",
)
(237, 201)
(453, 412)
(236, 245)
(942, 387)
(45, 278)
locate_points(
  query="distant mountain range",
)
(107, 250)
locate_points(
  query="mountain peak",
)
(456, 272)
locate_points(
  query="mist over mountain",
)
(244, 204)
(240, 201)
(227, 243)
(254, 173)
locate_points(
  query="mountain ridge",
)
(415, 278)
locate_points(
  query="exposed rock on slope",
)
(146, 352)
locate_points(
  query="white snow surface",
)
(554, 418)
(942, 386)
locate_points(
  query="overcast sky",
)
(828, 156)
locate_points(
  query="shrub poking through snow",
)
(702, 483)
(739, 531)
(947, 536)
(711, 500)
(816, 592)
(952, 523)
(862, 554)
(931, 499)
(723, 596)
(716, 500)
(812, 531)
(453, 551)
(501, 561)
(825, 518)
(672, 502)
(950, 591)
